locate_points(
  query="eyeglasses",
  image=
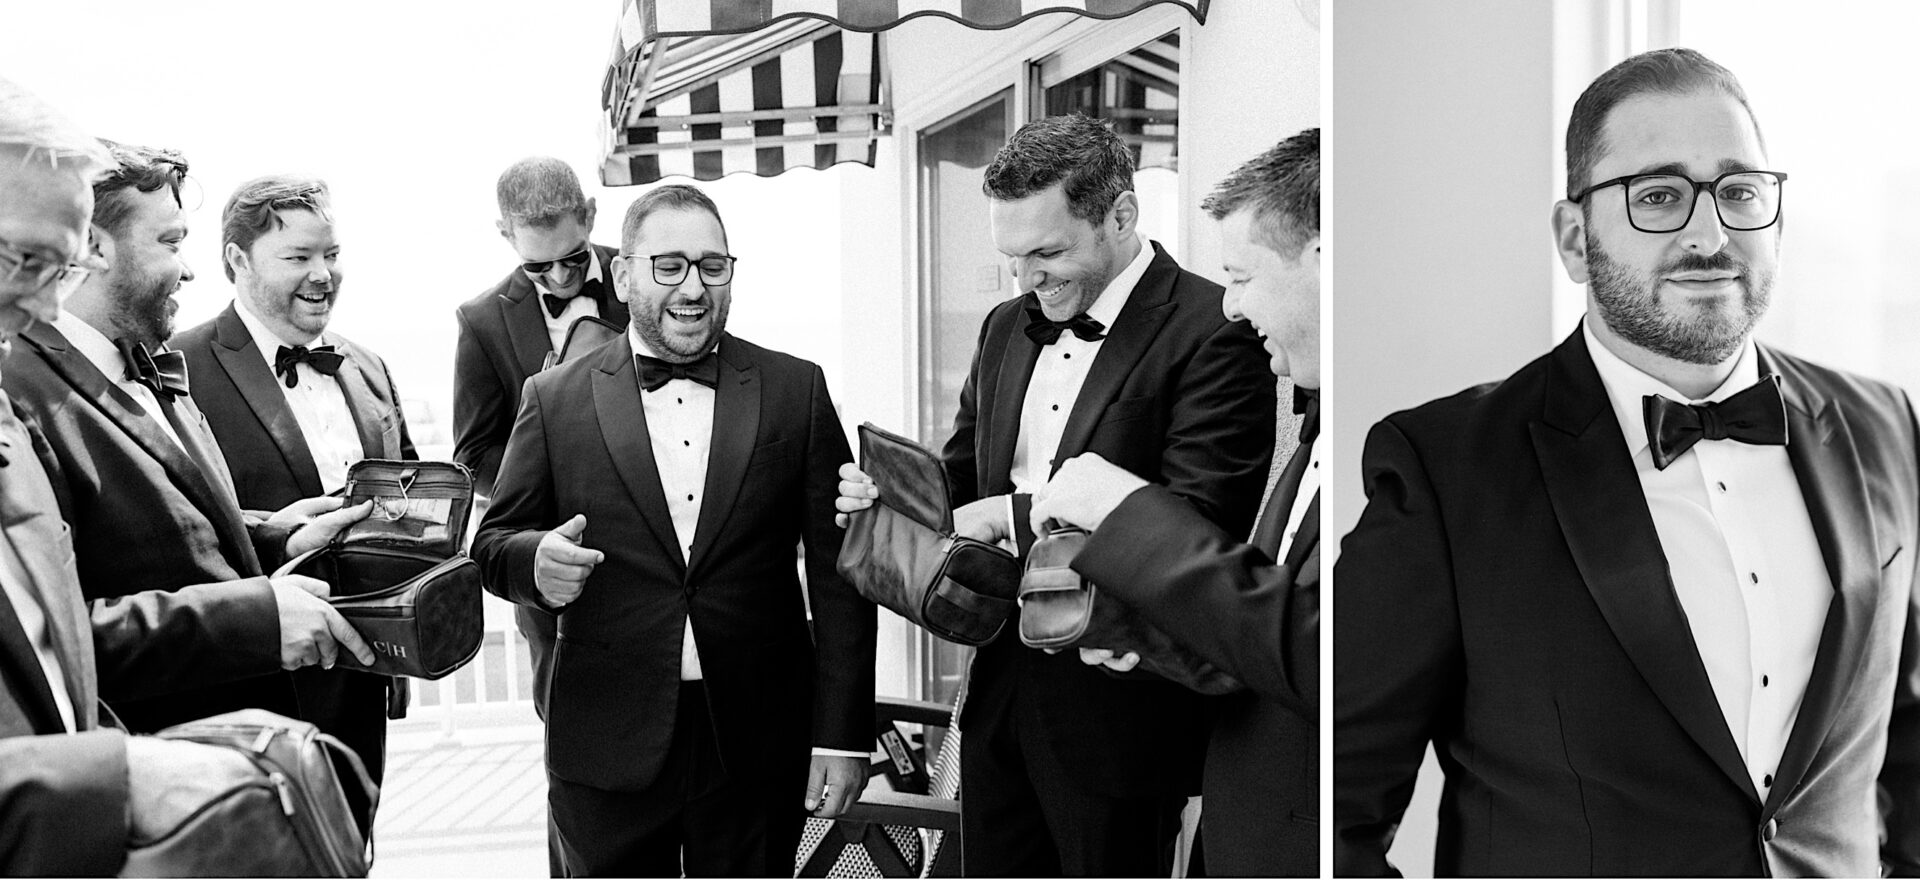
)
(1744, 200)
(573, 260)
(36, 272)
(672, 269)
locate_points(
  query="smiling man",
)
(1649, 598)
(294, 404)
(1112, 349)
(650, 499)
(1252, 608)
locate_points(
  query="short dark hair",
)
(1093, 165)
(672, 197)
(1282, 188)
(254, 210)
(141, 169)
(539, 191)
(1662, 71)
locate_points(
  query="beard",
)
(650, 321)
(1631, 305)
(143, 305)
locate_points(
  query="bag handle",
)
(360, 775)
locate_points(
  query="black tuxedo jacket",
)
(63, 797)
(503, 340)
(1506, 597)
(580, 445)
(1259, 619)
(1184, 398)
(272, 467)
(184, 625)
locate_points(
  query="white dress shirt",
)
(1055, 384)
(578, 307)
(1743, 556)
(33, 618)
(1303, 499)
(318, 403)
(680, 422)
(100, 350)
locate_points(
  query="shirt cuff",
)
(819, 752)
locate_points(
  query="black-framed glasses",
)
(36, 271)
(672, 269)
(573, 260)
(1745, 200)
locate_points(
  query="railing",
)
(496, 685)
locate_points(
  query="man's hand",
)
(833, 784)
(168, 780)
(561, 565)
(984, 520)
(857, 492)
(310, 630)
(1104, 657)
(321, 528)
(1082, 492)
(301, 512)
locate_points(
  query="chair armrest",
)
(912, 711)
(897, 808)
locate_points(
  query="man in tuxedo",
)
(1250, 608)
(507, 332)
(651, 497)
(294, 404)
(72, 791)
(1116, 350)
(185, 624)
(1648, 598)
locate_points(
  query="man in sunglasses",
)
(507, 332)
(1650, 598)
(651, 498)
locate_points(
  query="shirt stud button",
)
(1755, 575)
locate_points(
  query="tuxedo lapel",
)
(623, 427)
(526, 325)
(213, 501)
(22, 676)
(241, 358)
(736, 424)
(1002, 435)
(367, 409)
(1148, 307)
(36, 537)
(1827, 467)
(1603, 514)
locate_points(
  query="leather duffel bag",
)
(902, 554)
(398, 576)
(290, 819)
(1061, 609)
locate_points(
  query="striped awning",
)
(707, 88)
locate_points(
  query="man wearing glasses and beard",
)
(651, 498)
(1651, 597)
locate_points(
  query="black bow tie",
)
(655, 372)
(1044, 331)
(322, 358)
(1306, 401)
(1757, 415)
(164, 371)
(590, 288)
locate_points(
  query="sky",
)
(409, 110)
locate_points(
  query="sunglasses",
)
(574, 260)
